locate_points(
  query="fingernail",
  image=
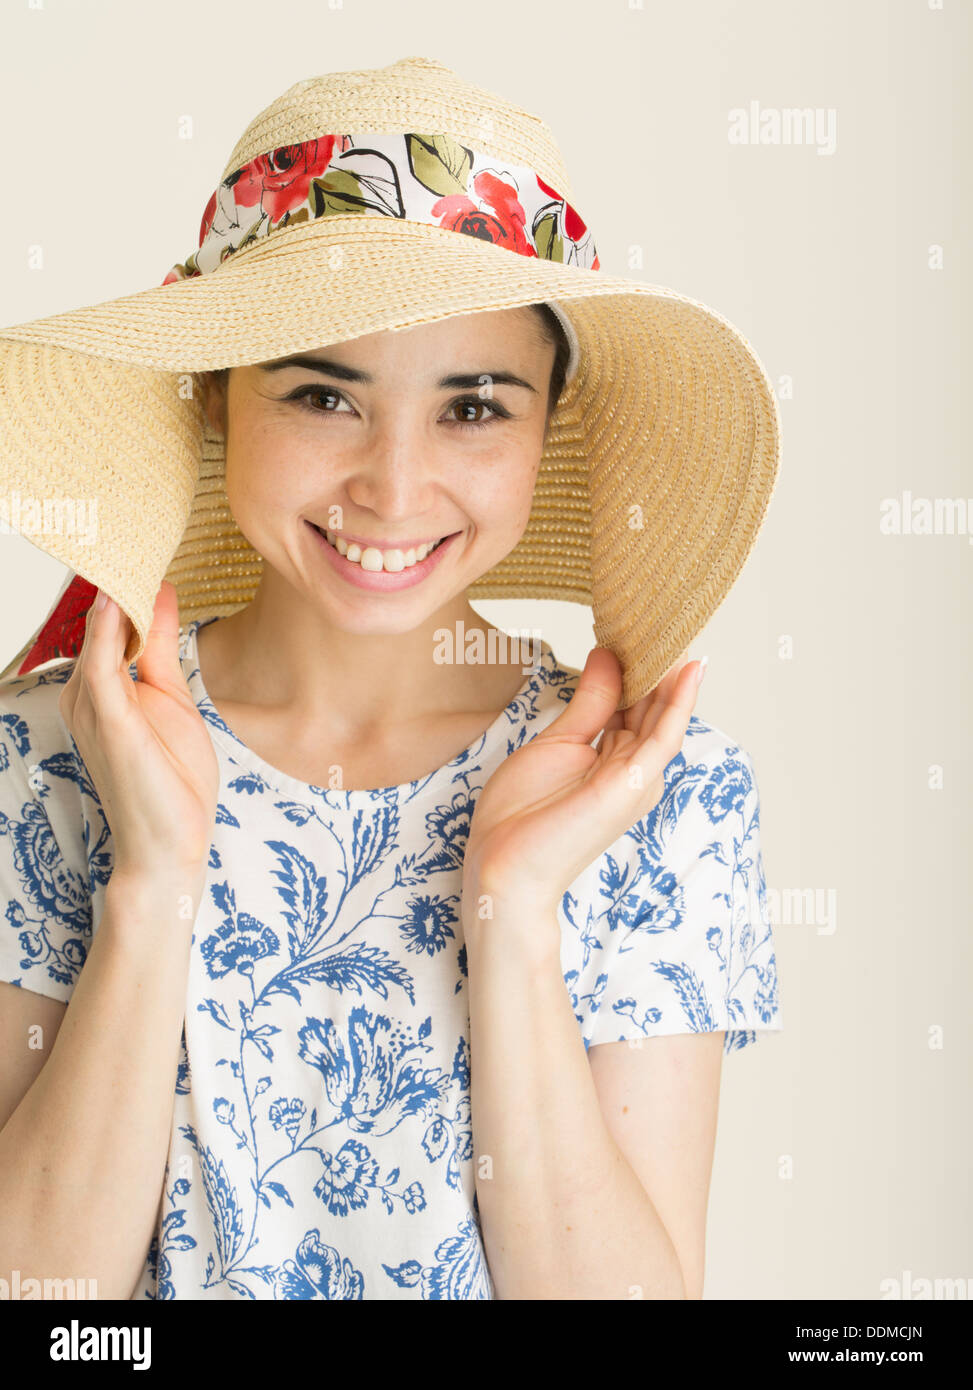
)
(101, 599)
(701, 671)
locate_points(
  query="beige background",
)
(843, 1153)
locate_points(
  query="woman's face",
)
(394, 442)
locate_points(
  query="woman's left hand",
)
(556, 804)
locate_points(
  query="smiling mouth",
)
(392, 559)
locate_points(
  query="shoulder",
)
(708, 746)
(48, 860)
(36, 746)
(29, 710)
(710, 794)
(668, 932)
(708, 810)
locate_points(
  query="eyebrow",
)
(337, 369)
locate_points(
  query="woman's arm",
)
(563, 1213)
(83, 1155)
(29, 1024)
(660, 1100)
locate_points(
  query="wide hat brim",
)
(659, 464)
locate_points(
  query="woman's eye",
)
(305, 394)
(469, 409)
(473, 413)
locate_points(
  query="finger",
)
(631, 721)
(617, 721)
(666, 727)
(74, 684)
(613, 795)
(123, 631)
(670, 678)
(612, 739)
(646, 713)
(594, 701)
(99, 662)
(159, 663)
(635, 714)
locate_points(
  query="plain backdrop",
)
(841, 659)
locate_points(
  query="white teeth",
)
(374, 560)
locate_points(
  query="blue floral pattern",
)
(322, 1141)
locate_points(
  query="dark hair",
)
(555, 334)
(551, 329)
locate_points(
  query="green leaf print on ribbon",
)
(550, 245)
(367, 182)
(439, 163)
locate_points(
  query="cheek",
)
(501, 493)
(265, 470)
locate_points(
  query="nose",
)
(394, 477)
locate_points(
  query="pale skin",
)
(599, 1163)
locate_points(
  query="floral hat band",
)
(424, 178)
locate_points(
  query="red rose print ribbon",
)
(63, 632)
(423, 178)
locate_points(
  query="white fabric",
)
(321, 1142)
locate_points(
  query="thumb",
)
(594, 701)
(159, 663)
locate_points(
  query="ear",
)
(214, 400)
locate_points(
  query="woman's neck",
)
(359, 686)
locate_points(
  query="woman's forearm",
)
(562, 1212)
(82, 1157)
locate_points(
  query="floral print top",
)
(321, 1142)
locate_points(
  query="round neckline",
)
(357, 798)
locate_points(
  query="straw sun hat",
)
(661, 454)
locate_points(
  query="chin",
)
(373, 616)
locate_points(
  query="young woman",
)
(413, 964)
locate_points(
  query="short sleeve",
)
(670, 932)
(45, 903)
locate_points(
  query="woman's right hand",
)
(145, 744)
